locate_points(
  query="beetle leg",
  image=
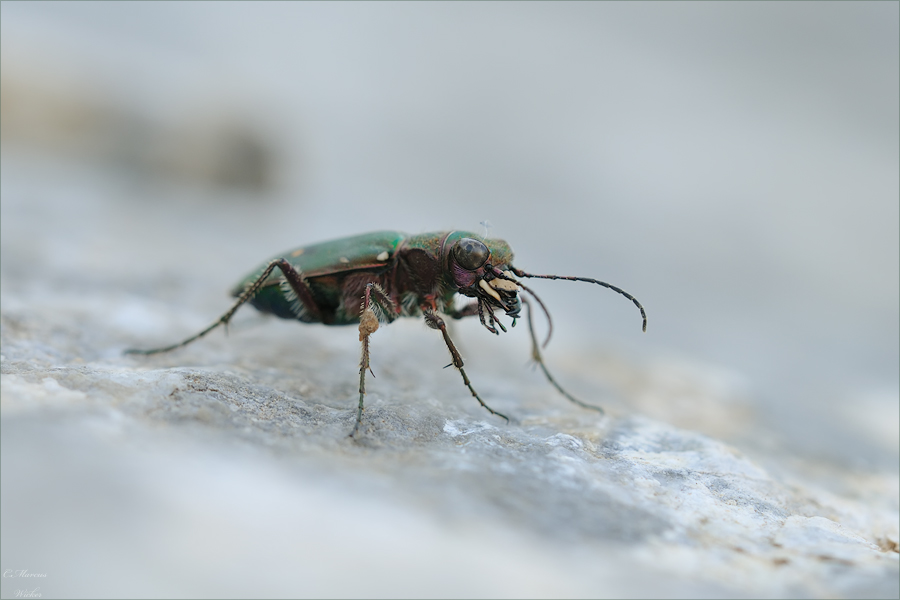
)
(477, 308)
(536, 355)
(469, 310)
(295, 280)
(368, 324)
(382, 301)
(435, 322)
(293, 277)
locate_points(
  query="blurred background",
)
(733, 165)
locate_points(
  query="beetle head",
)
(483, 270)
(473, 266)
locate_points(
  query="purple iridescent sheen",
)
(462, 277)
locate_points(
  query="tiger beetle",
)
(377, 277)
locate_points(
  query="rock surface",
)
(226, 466)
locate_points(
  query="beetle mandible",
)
(380, 276)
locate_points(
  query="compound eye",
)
(471, 254)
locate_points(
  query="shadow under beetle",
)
(378, 277)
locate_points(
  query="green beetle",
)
(377, 277)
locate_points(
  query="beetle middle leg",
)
(294, 279)
(368, 324)
(435, 322)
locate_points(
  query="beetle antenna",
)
(536, 355)
(521, 273)
(546, 312)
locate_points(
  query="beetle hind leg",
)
(294, 279)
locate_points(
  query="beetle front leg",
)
(435, 322)
(294, 279)
(479, 308)
(469, 310)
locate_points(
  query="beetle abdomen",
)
(324, 267)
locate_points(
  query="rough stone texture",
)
(731, 169)
(227, 467)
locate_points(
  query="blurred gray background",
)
(733, 165)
